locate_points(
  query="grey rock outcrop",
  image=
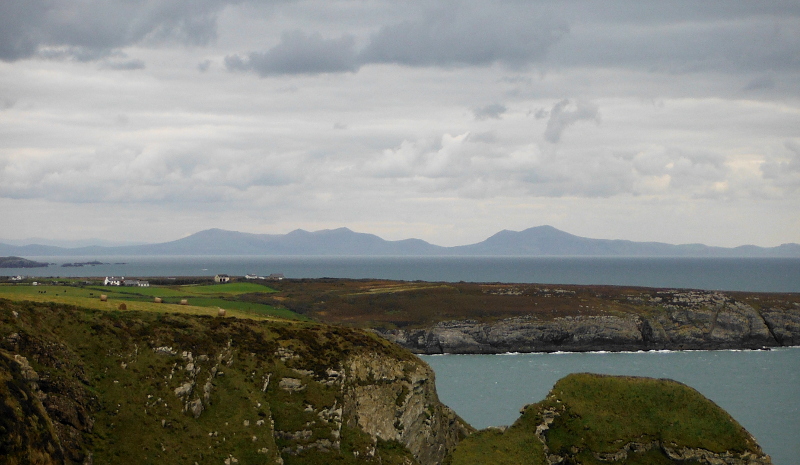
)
(675, 321)
(395, 400)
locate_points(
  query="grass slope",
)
(588, 415)
(108, 380)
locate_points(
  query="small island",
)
(80, 264)
(19, 262)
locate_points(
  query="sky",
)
(448, 121)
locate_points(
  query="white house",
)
(112, 281)
(222, 278)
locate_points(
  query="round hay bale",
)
(158, 300)
(184, 302)
(103, 298)
(221, 313)
(122, 306)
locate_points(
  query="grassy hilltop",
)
(592, 419)
(142, 387)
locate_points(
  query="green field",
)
(201, 299)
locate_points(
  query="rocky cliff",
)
(84, 387)
(671, 319)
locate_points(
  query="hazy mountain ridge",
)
(536, 241)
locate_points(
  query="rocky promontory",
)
(670, 320)
(19, 262)
(590, 419)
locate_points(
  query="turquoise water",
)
(733, 274)
(761, 389)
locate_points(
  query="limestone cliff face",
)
(396, 400)
(674, 320)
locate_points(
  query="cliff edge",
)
(655, 320)
(82, 387)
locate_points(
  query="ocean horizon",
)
(724, 274)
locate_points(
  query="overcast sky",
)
(148, 120)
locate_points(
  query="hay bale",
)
(103, 298)
(184, 302)
(158, 300)
(221, 313)
(122, 306)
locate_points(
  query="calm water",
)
(743, 274)
(761, 389)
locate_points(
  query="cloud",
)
(683, 37)
(419, 159)
(564, 114)
(491, 111)
(467, 34)
(300, 53)
(91, 29)
(760, 83)
(460, 34)
(127, 65)
(784, 172)
(134, 174)
(204, 65)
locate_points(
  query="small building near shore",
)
(222, 278)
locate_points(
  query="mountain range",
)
(537, 241)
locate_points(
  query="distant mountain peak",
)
(544, 240)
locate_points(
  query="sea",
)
(760, 389)
(731, 274)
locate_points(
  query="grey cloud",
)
(484, 137)
(491, 111)
(127, 65)
(91, 29)
(760, 83)
(204, 65)
(563, 116)
(300, 53)
(125, 174)
(784, 173)
(463, 34)
(467, 34)
(687, 38)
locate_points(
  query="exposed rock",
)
(196, 407)
(396, 400)
(291, 384)
(184, 389)
(783, 324)
(678, 320)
